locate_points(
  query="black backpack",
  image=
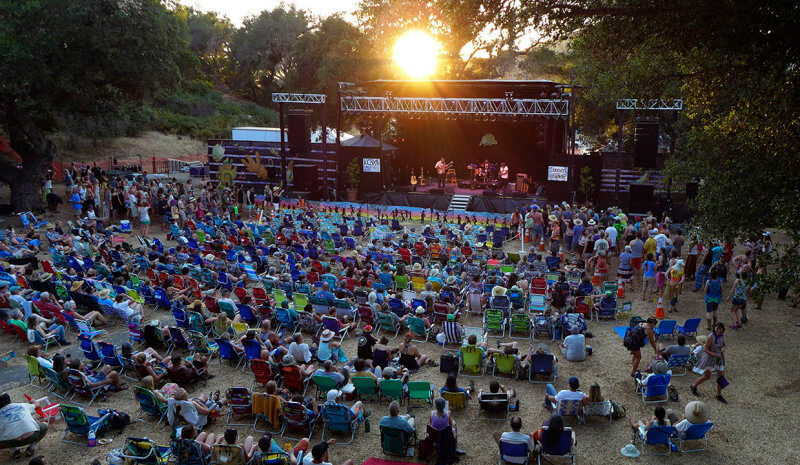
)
(448, 363)
(634, 338)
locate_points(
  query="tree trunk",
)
(37, 153)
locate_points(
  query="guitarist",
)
(441, 170)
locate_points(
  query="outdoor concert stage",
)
(478, 203)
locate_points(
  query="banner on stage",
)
(557, 173)
(372, 165)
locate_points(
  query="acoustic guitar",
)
(422, 176)
(413, 179)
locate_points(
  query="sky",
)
(236, 10)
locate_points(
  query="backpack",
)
(448, 363)
(635, 321)
(617, 410)
(117, 420)
(635, 338)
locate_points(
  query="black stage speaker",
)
(645, 143)
(436, 191)
(305, 177)
(489, 194)
(640, 198)
(299, 133)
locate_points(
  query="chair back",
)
(337, 418)
(240, 400)
(177, 338)
(513, 450)
(394, 441)
(295, 415)
(89, 348)
(542, 364)
(252, 349)
(538, 302)
(148, 401)
(419, 390)
(690, 326)
(76, 420)
(657, 385)
(506, 364)
(472, 359)
(34, 368)
(324, 384)
(227, 454)
(562, 447)
(659, 435)
(110, 354)
(79, 382)
(494, 319)
(416, 326)
(697, 431)
(520, 323)
(292, 378)
(456, 400)
(678, 361)
(226, 350)
(568, 408)
(391, 388)
(666, 328)
(365, 385)
(144, 451)
(262, 371)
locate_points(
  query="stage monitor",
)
(557, 173)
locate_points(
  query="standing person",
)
(144, 217)
(713, 292)
(638, 337)
(503, 177)
(577, 233)
(441, 171)
(675, 277)
(625, 270)
(691, 257)
(739, 295)
(712, 360)
(702, 274)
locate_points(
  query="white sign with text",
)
(371, 165)
(557, 173)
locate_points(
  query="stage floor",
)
(465, 191)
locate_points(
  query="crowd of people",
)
(256, 278)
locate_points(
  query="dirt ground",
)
(757, 423)
(148, 144)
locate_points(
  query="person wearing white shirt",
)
(611, 235)
(552, 399)
(18, 427)
(515, 437)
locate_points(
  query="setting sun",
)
(416, 54)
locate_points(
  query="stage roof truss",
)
(279, 97)
(412, 106)
(650, 104)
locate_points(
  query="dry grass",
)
(757, 423)
(148, 144)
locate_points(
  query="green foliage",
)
(203, 113)
(354, 173)
(586, 183)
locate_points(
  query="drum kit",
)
(484, 175)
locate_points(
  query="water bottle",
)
(366, 425)
(92, 440)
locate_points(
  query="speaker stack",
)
(299, 132)
(645, 143)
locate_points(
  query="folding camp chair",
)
(520, 324)
(323, 384)
(665, 328)
(228, 352)
(493, 404)
(395, 441)
(696, 432)
(543, 325)
(565, 448)
(240, 402)
(505, 365)
(538, 303)
(391, 388)
(655, 436)
(227, 454)
(420, 390)
(689, 328)
(81, 386)
(388, 323)
(79, 423)
(202, 345)
(177, 340)
(59, 387)
(516, 451)
(416, 327)
(262, 372)
(365, 386)
(678, 362)
(654, 388)
(472, 362)
(544, 367)
(296, 417)
(267, 407)
(149, 404)
(455, 400)
(494, 322)
(600, 410)
(36, 373)
(294, 380)
(338, 418)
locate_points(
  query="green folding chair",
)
(520, 324)
(392, 388)
(229, 309)
(400, 282)
(472, 363)
(300, 300)
(494, 322)
(388, 323)
(366, 386)
(418, 330)
(323, 384)
(420, 390)
(279, 295)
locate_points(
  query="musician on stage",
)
(503, 177)
(441, 170)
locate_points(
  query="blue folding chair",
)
(89, 349)
(665, 328)
(514, 450)
(696, 432)
(654, 387)
(339, 419)
(676, 362)
(565, 448)
(655, 436)
(161, 298)
(689, 328)
(181, 319)
(227, 352)
(252, 351)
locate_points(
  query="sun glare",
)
(416, 53)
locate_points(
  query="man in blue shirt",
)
(397, 421)
(325, 293)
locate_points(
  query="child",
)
(649, 269)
